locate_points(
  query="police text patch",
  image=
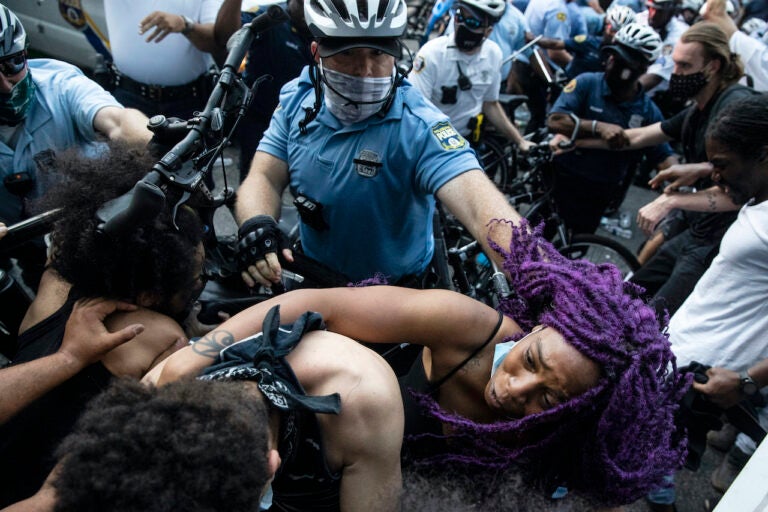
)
(447, 136)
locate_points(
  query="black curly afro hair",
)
(190, 445)
(156, 258)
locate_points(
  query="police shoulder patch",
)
(570, 86)
(580, 38)
(418, 63)
(561, 16)
(447, 136)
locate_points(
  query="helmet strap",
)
(311, 113)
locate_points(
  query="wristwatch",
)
(747, 386)
(188, 24)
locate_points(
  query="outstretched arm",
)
(710, 200)
(86, 340)
(637, 138)
(438, 319)
(475, 201)
(499, 119)
(723, 387)
(123, 124)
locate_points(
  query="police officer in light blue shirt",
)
(364, 155)
(549, 18)
(47, 105)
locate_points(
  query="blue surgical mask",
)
(501, 350)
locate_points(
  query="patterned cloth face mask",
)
(362, 96)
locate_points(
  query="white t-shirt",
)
(437, 65)
(724, 322)
(172, 61)
(754, 54)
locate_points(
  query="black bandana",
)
(261, 358)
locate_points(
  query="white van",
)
(50, 33)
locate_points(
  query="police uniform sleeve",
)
(424, 72)
(556, 24)
(440, 152)
(492, 94)
(275, 139)
(80, 99)
(574, 97)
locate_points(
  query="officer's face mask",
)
(470, 29)
(352, 99)
(621, 74)
(15, 104)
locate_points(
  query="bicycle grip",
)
(135, 208)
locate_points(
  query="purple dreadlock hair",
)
(614, 442)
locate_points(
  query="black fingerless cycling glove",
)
(258, 236)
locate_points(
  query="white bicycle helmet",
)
(619, 15)
(755, 27)
(344, 24)
(691, 5)
(641, 39)
(13, 38)
(493, 8)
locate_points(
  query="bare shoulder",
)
(326, 362)
(135, 358)
(369, 427)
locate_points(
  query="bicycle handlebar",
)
(149, 196)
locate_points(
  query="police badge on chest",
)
(367, 163)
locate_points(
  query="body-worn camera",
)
(310, 212)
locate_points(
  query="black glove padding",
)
(258, 236)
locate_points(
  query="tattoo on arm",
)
(213, 343)
(711, 200)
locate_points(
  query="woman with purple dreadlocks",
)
(573, 381)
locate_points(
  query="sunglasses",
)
(469, 21)
(13, 65)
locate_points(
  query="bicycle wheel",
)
(598, 249)
(494, 159)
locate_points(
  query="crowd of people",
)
(115, 397)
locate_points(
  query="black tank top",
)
(28, 440)
(423, 434)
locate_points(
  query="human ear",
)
(273, 462)
(315, 53)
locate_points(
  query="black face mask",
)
(466, 39)
(683, 87)
(621, 77)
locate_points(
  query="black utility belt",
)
(198, 88)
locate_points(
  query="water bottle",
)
(619, 231)
(625, 220)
